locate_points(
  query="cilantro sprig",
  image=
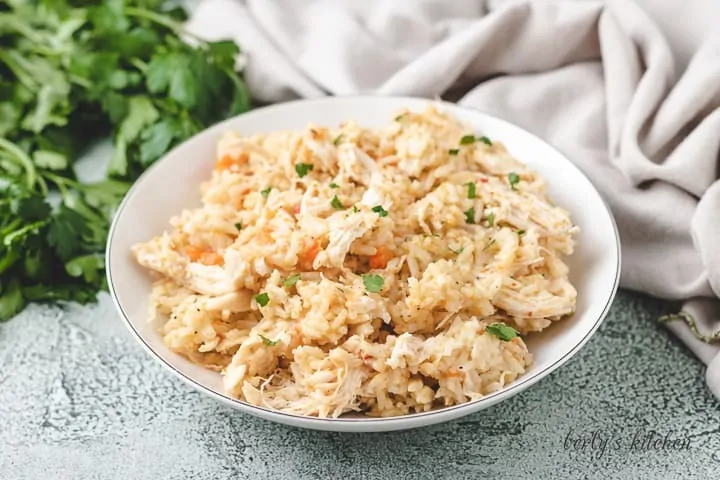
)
(73, 72)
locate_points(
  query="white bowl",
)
(172, 185)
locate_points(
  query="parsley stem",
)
(176, 27)
(79, 81)
(139, 64)
(22, 158)
(154, 17)
(61, 181)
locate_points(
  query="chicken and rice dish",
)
(385, 270)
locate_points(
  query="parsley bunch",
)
(72, 71)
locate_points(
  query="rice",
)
(384, 270)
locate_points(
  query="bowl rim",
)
(384, 423)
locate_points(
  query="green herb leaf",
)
(490, 219)
(489, 244)
(266, 192)
(156, 140)
(172, 73)
(454, 151)
(50, 160)
(334, 185)
(65, 232)
(302, 169)
(337, 140)
(11, 300)
(141, 113)
(502, 331)
(471, 190)
(267, 341)
(355, 209)
(521, 232)
(238, 225)
(380, 210)
(400, 117)
(470, 215)
(336, 203)
(458, 251)
(467, 140)
(89, 267)
(373, 283)
(485, 140)
(262, 299)
(291, 280)
(513, 179)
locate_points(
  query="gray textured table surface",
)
(79, 399)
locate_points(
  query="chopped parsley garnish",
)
(380, 210)
(502, 331)
(355, 209)
(490, 219)
(467, 140)
(302, 169)
(336, 203)
(470, 215)
(454, 151)
(399, 117)
(267, 341)
(336, 142)
(373, 283)
(514, 179)
(458, 251)
(262, 299)
(291, 280)
(489, 244)
(521, 232)
(485, 140)
(238, 225)
(334, 185)
(471, 189)
(265, 192)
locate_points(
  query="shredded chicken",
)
(386, 270)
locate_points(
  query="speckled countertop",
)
(79, 399)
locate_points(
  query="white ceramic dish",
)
(172, 184)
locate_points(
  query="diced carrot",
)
(308, 256)
(205, 257)
(229, 161)
(454, 373)
(381, 258)
(212, 258)
(193, 253)
(296, 209)
(483, 180)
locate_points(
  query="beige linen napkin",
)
(599, 81)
